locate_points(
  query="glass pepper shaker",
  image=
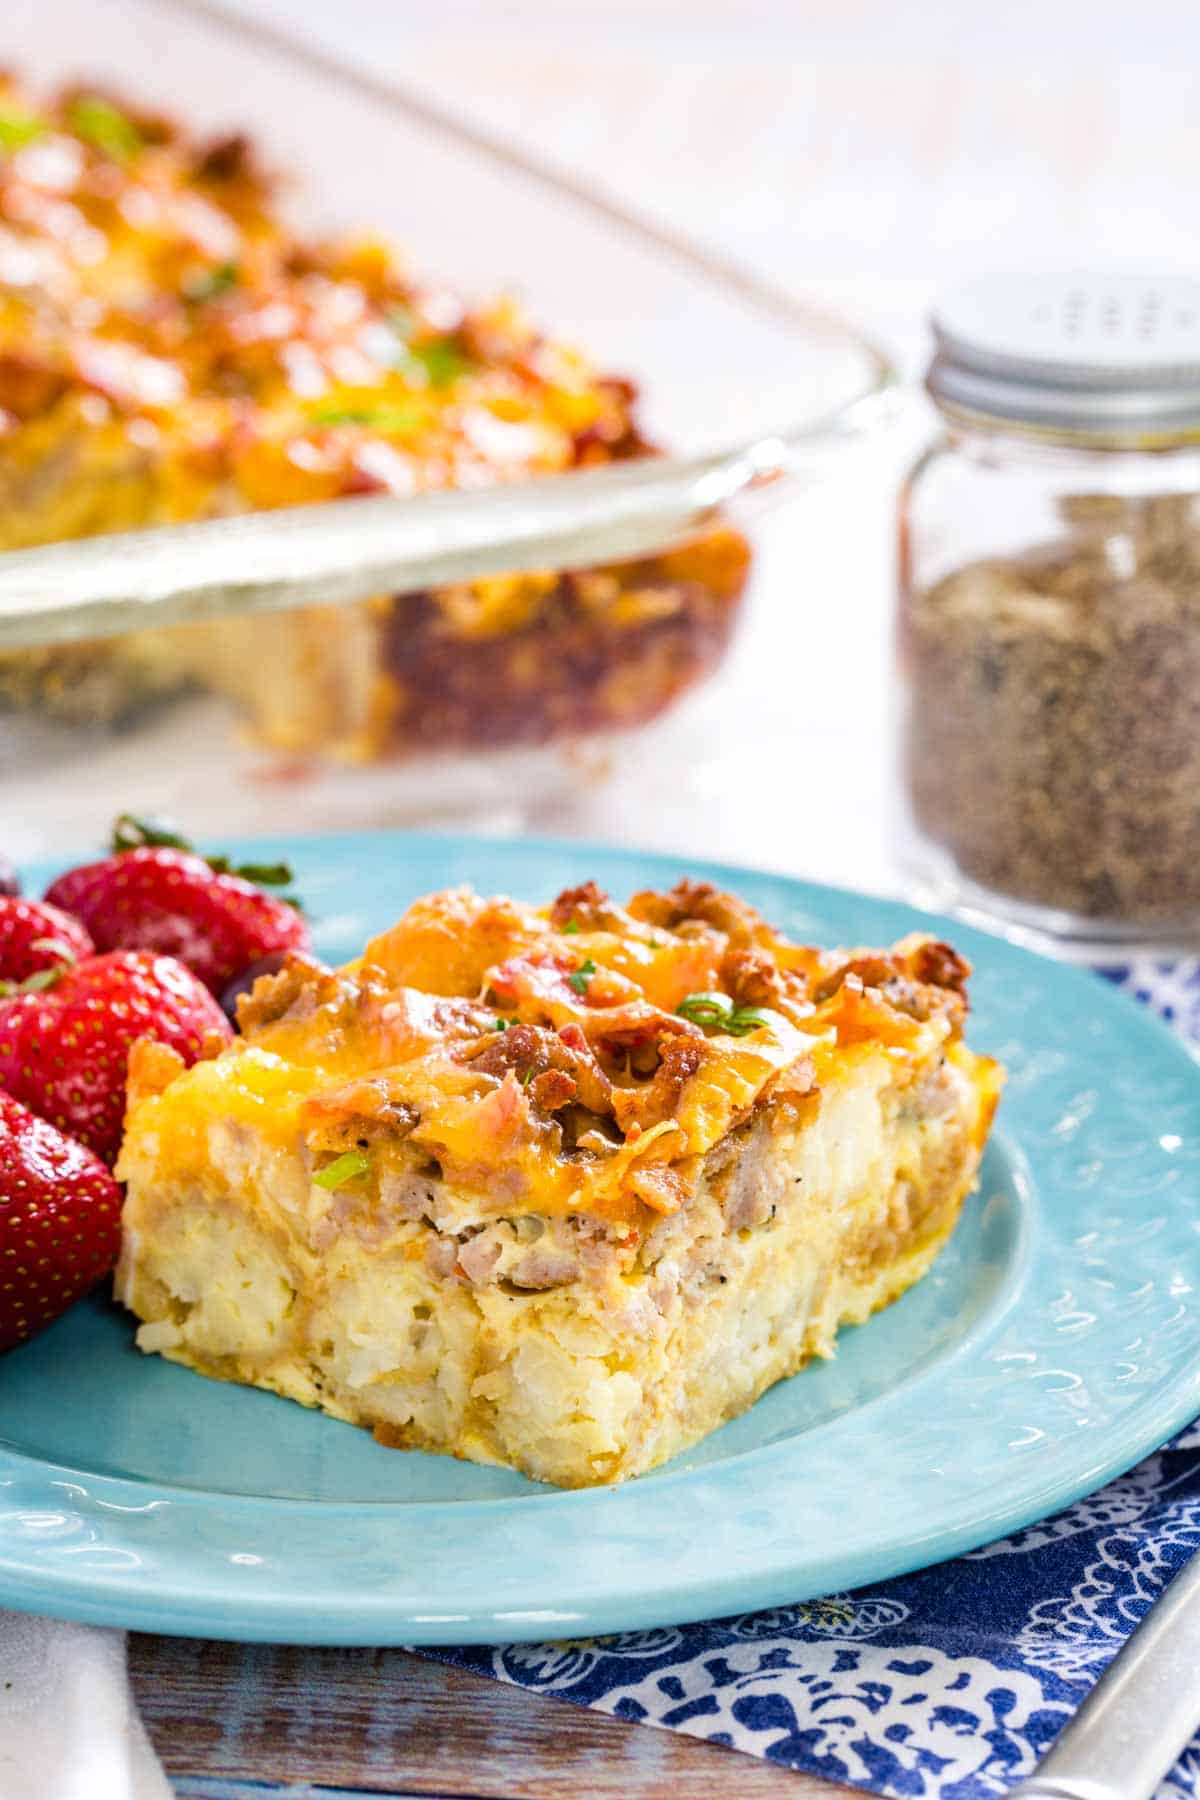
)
(1049, 615)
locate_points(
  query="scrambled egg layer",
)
(170, 350)
(561, 1188)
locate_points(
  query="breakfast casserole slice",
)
(170, 349)
(562, 1189)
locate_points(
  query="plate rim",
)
(379, 1617)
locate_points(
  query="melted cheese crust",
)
(488, 1189)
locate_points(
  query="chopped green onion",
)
(442, 361)
(382, 418)
(571, 927)
(212, 283)
(344, 1168)
(103, 125)
(18, 129)
(582, 976)
(503, 1024)
(706, 1009)
(744, 1019)
(438, 363)
(715, 1011)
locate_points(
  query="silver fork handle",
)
(1142, 1712)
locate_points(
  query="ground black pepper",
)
(1053, 727)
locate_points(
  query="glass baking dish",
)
(750, 389)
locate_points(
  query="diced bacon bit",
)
(660, 1186)
(534, 1051)
(553, 1090)
(547, 979)
(857, 973)
(539, 975)
(937, 964)
(606, 439)
(606, 988)
(797, 1082)
(588, 906)
(752, 978)
(229, 158)
(503, 1115)
(649, 1105)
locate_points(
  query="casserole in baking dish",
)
(171, 350)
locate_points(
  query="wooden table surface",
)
(868, 156)
(266, 1714)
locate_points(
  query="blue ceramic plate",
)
(1052, 1346)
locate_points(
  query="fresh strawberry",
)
(63, 1048)
(155, 897)
(35, 935)
(60, 1222)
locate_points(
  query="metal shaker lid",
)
(1084, 353)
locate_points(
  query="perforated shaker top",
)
(1083, 353)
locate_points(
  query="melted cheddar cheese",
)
(551, 1053)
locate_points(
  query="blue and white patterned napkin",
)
(949, 1684)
